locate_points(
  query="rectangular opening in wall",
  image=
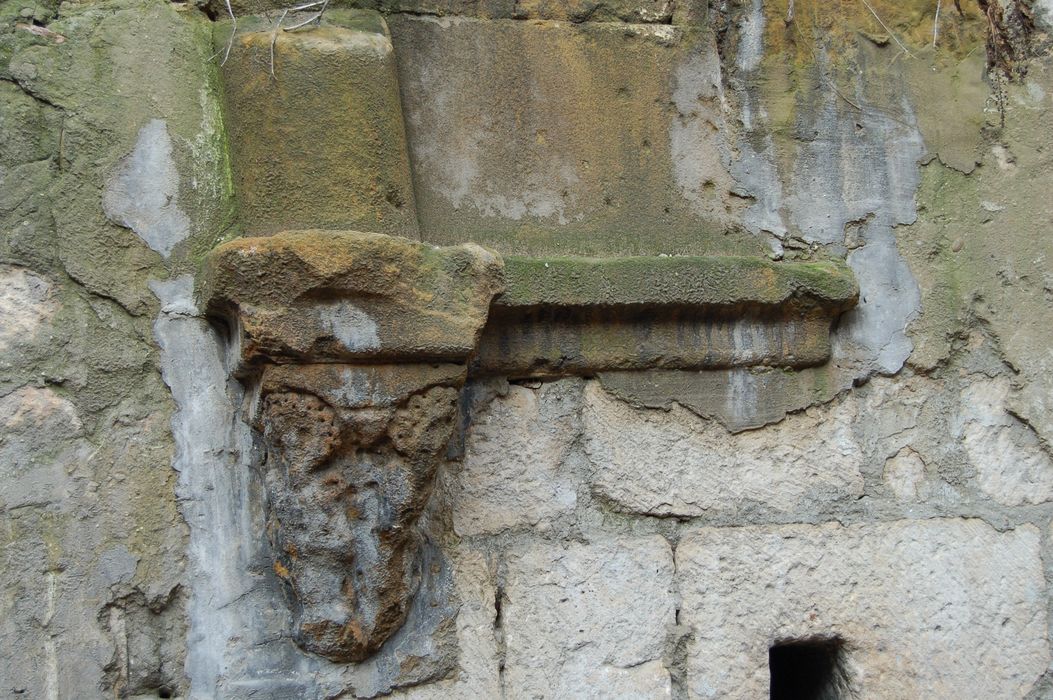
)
(809, 669)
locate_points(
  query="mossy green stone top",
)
(711, 281)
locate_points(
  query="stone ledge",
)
(712, 282)
(562, 316)
(339, 296)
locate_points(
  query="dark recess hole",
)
(164, 692)
(809, 669)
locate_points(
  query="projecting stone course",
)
(674, 463)
(947, 608)
(588, 620)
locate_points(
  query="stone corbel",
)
(360, 344)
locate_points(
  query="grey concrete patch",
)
(874, 333)
(143, 194)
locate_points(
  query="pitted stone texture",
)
(512, 472)
(588, 620)
(933, 608)
(1011, 465)
(674, 463)
(27, 303)
(346, 486)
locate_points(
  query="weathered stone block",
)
(347, 295)
(934, 608)
(320, 142)
(1011, 465)
(512, 475)
(588, 620)
(674, 463)
(556, 138)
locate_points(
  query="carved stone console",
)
(358, 345)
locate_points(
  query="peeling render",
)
(144, 194)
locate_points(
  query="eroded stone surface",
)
(346, 485)
(338, 295)
(1011, 465)
(513, 475)
(27, 302)
(673, 463)
(935, 608)
(588, 620)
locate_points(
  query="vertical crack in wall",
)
(499, 635)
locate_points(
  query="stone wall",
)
(651, 533)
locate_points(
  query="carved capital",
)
(358, 344)
(353, 453)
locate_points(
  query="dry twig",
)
(233, 31)
(890, 32)
(317, 17)
(936, 23)
(274, 40)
